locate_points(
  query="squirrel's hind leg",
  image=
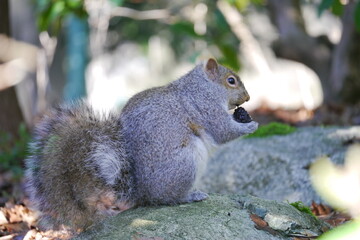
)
(107, 204)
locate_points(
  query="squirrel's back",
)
(77, 171)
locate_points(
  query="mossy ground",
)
(273, 128)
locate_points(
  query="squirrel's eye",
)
(231, 80)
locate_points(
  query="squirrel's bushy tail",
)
(77, 172)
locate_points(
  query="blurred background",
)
(296, 58)
(299, 59)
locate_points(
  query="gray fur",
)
(170, 129)
(77, 166)
(85, 166)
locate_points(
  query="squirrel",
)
(85, 166)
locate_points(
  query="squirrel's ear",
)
(211, 68)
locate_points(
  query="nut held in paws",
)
(241, 115)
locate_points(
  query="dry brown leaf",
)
(258, 221)
(335, 218)
(329, 215)
(261, 224)
(320, 209)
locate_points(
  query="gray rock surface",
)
(276, 167)
(219, 217)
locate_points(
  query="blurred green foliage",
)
(243, 4)
(13, 150)
(349, 230)
(180, 32)
(337, 8)
(51, 13)
(357, 17)
(273, 128)
(334, 5)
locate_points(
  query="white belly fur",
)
(204, 146)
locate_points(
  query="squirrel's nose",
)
(247, 97)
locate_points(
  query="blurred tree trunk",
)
(342, 65)
(10, 113)
(350, 91)
(337, 66)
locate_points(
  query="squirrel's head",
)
(235, 89)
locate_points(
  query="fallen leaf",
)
(261, 224)
(320, 209)
(258, 221)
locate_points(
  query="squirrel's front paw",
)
(196, 196)
(247, 128)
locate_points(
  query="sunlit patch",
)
(141, 223)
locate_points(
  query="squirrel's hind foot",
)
(195, 196)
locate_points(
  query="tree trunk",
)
(351, 85)
(339, 70)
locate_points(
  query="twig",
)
(140, 15)
(249, 45)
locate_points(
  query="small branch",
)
(140, 15)
(249, 45)
(12, 49)
(17, 58)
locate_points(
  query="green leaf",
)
(325, 4)
(242, 4)
(185, 27)
(57, 10)
(258, 2)
(357, 17)
(75, 3)
(43, 18)
(337, 8)
(230, 56)
(52, 13)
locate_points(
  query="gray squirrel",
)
(85, 166)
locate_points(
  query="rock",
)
(275, 167)
(219, 217)
(299, 85)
